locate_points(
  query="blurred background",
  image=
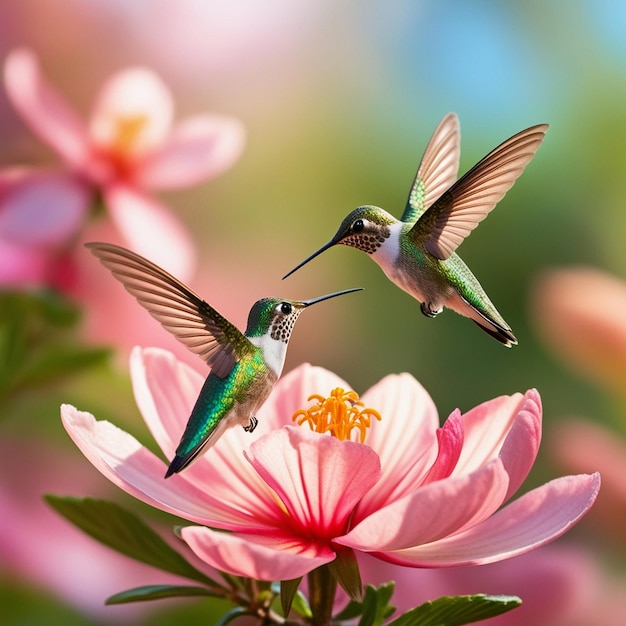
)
(338, 101)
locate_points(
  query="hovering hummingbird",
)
(417, 253)
(244, 367)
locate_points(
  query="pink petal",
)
(43, 208)
(485, 428)
(45, 111)
(533, 520)
(432, 512)
(450, 444)
(22, 266)
(198, 149)
(151, 230)
(404, 439)
(138, 96)
(521, 445)
(253, 556)
(133, 468)
(318, 478)
(588, 334)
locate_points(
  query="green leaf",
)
(457, 610)
(57, 362)
(123, 531)
(37, 341)
(376, 607)
(346, 570)
(158, 592)
(233, 615)
(288, 590)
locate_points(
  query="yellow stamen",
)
(338, 415)
(129, 128)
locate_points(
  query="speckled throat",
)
(282, 326)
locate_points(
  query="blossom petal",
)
(432, 512)
(450, 444)
(404, 439)
(485, 427)
(132, 114)
(197, 149)
(21, 266)
(133, 468)
(42, 208)
(318, 478)
(533, 520)
(253, 556)
(521, 445)
(45, 111)
(151, 230)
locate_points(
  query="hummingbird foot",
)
(251, 425)
(428, 311)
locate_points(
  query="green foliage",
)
(123, 531)
(374, 608)
(159, 592)
(457, 610)
(290, 598)
(36, 342)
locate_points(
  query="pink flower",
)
(294, 499)
(579, 312)
(33, 242)
(40, 548)
(580, 445)
(559, 585)
(128, 146)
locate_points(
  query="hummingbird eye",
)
(285, 308)
(358, 226)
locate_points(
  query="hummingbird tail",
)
(486, 317)
(179, 463)
(503, 335)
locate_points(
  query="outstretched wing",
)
(460, 209)
(437, 170)
(179, 310)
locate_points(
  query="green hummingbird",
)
(417, 253)
(244, 366)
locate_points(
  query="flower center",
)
(128, 128)
(338, 415)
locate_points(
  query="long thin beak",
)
(310, 258)
(329, 295)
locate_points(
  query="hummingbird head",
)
(366, 228)
(276, 317)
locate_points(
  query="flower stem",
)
(322, 588)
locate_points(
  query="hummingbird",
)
(244, 366)
(417, 252)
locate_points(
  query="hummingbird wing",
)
(462, 207)
(437, 170)
(188, 317)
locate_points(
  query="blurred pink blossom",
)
(580, 445)
(38, 547)
(579, 313)
(295, 499)
(40, 212)
(559, 586)
(128, 146)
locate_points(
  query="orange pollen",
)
(338, 415)
(128, 129)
